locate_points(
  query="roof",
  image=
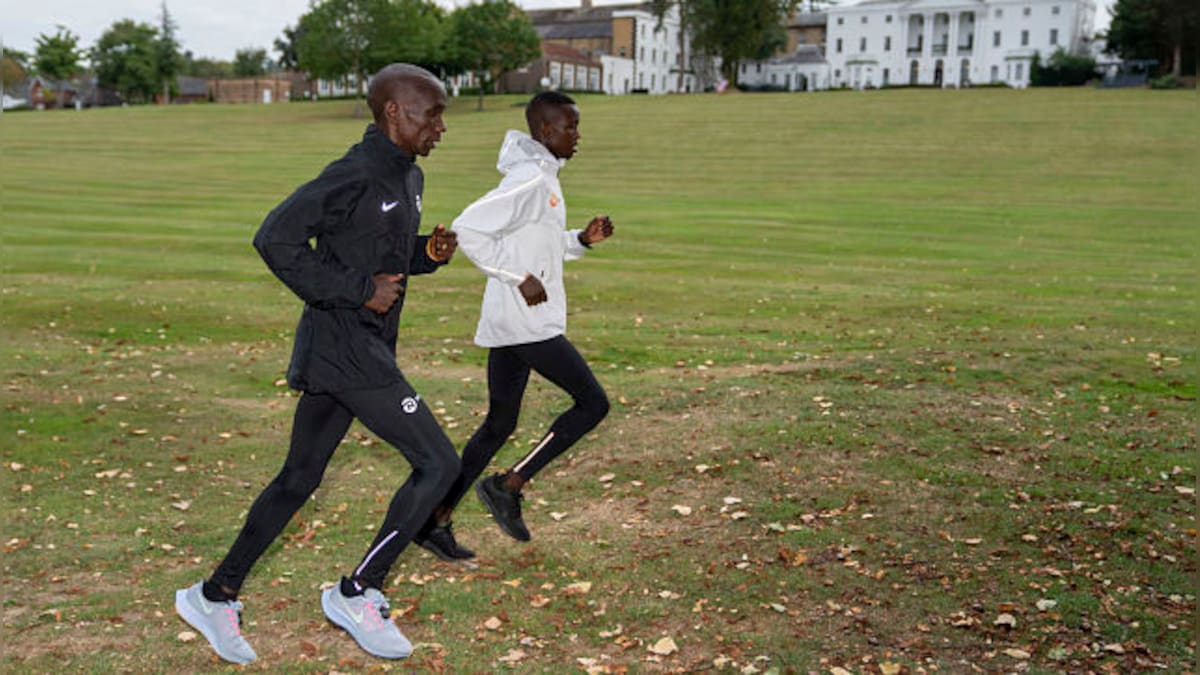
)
(808, 19)
(581, 29)
(803, 54)
(192, 86)
(565, 54)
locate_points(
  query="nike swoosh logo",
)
(204, 606)
(388, 206)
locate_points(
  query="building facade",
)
(640, 54)
(950, 43)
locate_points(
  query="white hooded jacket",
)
(515, 230)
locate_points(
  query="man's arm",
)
(283, 242)
(578, 241)
(483, 226)
(433, 250)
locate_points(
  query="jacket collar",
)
(520, 148)
(383, 149)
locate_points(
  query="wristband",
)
(429, 251)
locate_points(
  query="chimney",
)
(585, 4)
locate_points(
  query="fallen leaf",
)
(1017, 653)
(682, 510)
(182, 505)
(1115, 648)
(186, 636)
(608, 477)
(1044, 604)
(1006, 619)
(557, 515)
(539, 601)
(889, 668)
(663, 647)
(577, 588)
(513, 656)
(492, 623)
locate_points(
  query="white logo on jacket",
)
(418, 203)
(388, 206)
(409, 404)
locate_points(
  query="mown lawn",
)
(903, 381)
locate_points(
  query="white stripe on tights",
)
(375, 550)
(533, 452)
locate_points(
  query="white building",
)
(657, 54)
(803, 70)
(618, 74)
(950, 43)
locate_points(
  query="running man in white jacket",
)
(516, 235)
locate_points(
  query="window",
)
(1020, 70)
(837, 74)
(841, 20)
(651, 81)
(864, 19)
(758, 68)
(888, 18)
(642, 56)
(996, 39)
(653, 56)
(1026, 11)
(621, 52)
(862, 44)
(999, 13)
(1024, 38)
(839, 46)
(1053, 36)
(995, 73)
(1054, 10)
(887, 43)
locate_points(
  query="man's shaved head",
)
(543, 108)
(408, 103)
(398, 82)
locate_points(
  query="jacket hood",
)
(520, 148)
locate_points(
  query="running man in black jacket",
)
(363, 212)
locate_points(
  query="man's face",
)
(419, 125)
(560, 133)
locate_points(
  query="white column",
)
(927, 48)
(952, 40)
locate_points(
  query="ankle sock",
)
(213, 593)
(350, 589)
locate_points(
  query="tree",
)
(1061, 70)
(341, 38)
(734, 29)
(206, 67)
(14, 67)
(125, 59)
(167, 61)
(58, 57)
(491, 38)
(250, 62)
(285, 46)
(1165, 30)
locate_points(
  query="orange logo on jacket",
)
(553, 201)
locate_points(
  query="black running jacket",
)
(363, 212)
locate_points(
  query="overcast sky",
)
(210, 28)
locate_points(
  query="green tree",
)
(58, 57)
(125, 59)
(285, 46)
(250, 62)
(337, 39)
(1165, 30)
(168, 62)
(14, 67)
(206, 67)
(490, 38)
(737, 30)
(1061, 70)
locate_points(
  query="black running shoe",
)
(439, 540)
(505, 506)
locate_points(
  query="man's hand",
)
(442, 244)
(533, 290)
(598, 230)
(387, 291)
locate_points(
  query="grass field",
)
(903, 382)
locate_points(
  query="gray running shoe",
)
(219, 622)
(366, 618)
